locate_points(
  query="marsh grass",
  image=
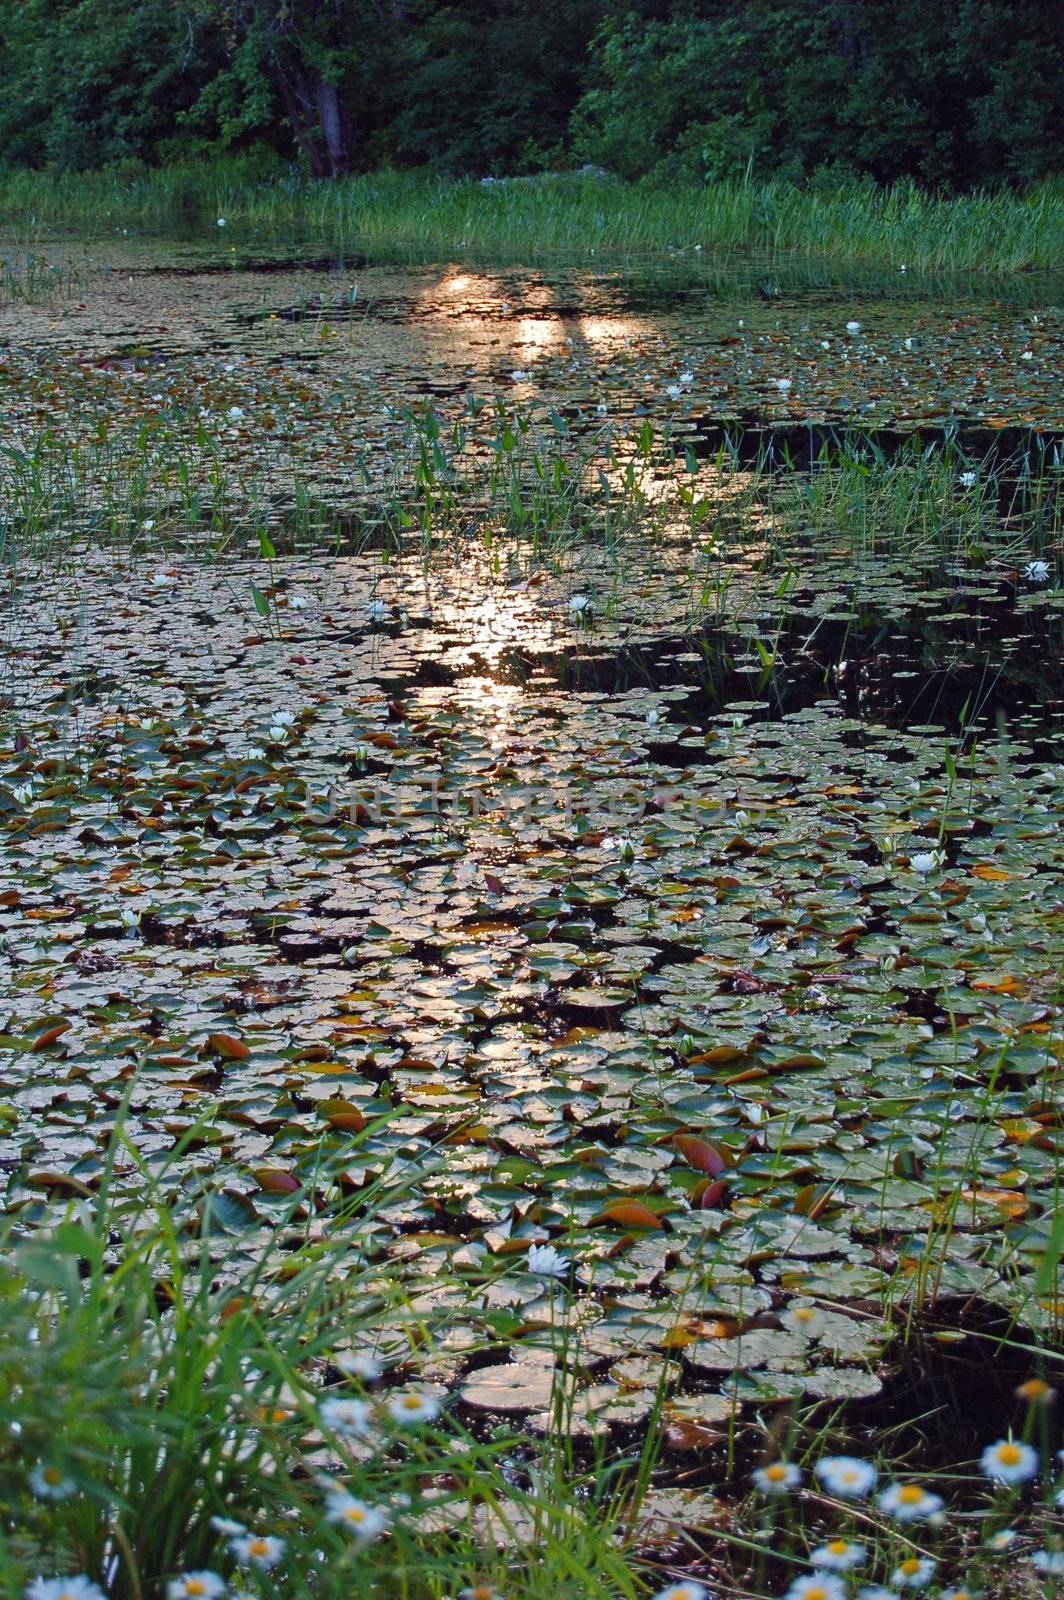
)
(411, 216)
(166, 1358)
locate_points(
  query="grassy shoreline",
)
(410, 216)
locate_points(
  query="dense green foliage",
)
(821, 90)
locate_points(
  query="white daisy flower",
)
(1051, 1562)
(1001, 1540)
(74, 1588)
(361, 1364)
(1009, 1462)
(875, 1591)
(221, 222)
(913, 1573)
(688, 1590)
(546, 1262)
(847, 1476)
(908, 1502)
(349, 1418)
(262, 1550)
(963, 1593)
(777, 1478)
(968, 480)
(365, 1523)
(411, 1408)
(480, 1591)
(799, 1318)
(195, 1586)
(817, 1586)
(49, 1483)
(838, 1555)
(227, 1526)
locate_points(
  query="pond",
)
(460, 745)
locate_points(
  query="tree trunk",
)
(335, 128)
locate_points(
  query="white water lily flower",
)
(908, 1502)
(278, 734)
(847, 1476)
(777, 1478)
(377, 611)
(674, 391)
(968, 480)
(1028, 355)
(825, 344)
(817, 1586)
(50, 1483)
(1009, 1461)
(23, 793)
(162, 580)
(927, 861)
(546, 1262)
(195, 1586)
(362, 1364)
(913, 1573)
(131, 922)
(221, 222)
(298, 602)
(410, 1409)
(687, 377)
(283, 719)
(688, 1590)
(1051, 1562)
(802, 1318)
(783, 384)
(580, 603)
(853, 327)
(236, 412)
(520, 375)
(1036, 571)
(226, 1525)
(148, 524)
(255, 754)
(262, 1550)
(838, 1555)
(349, 1418)
(363, 1522)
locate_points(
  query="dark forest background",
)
(822, 91)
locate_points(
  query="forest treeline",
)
(951, 96)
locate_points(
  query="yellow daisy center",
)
(839, 1547)
(910, 1494)
(776, 1471)
(1009, 1455)
(816, 1592)
(258, 1547)
(195, 1586)
(483, 1591)
(355, 1514)
(910, 1565)
(412, 1402)
(1034, 1389)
